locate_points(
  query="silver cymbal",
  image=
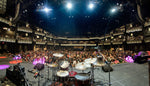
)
(81, 66)
(58, 55)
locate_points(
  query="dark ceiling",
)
(80, 21)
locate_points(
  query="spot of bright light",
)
(113, 10)
(69, 5)
(46, 9)
(91, 5)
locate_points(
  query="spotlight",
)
(91, 5)
(113, 10)
(69, 5)
(46, 9)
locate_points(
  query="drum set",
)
(63, 75)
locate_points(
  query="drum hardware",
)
(53, 65)
(108, 63)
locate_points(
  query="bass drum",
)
(53, 84)
(62, 75)
(83, 79)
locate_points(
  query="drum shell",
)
(62, 79)
(83, 83)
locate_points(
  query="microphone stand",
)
(109, 73)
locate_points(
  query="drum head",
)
(82, 76)
(62, 73)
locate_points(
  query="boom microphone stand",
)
(108, 63)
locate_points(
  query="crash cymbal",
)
(58, 55)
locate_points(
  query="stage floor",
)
(125, 74)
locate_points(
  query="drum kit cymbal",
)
(58, 55)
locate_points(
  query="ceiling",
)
(80, 21)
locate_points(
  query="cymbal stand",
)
(109, 73)
(39, 79)
(92, 77)
(48, 74)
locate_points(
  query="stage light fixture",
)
(113, 10)
(46, 9)
(69, 5)
(91, 6)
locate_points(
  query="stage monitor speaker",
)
(106, 68)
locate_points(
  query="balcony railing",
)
(24, 29)
(78, 39)
(12, 40)
(78, 44)
(49, 36)
(42, 43)
(50, 43)
(117, 42)
(107, 43)
(134, 42)
(39, 33)
(119, 33)
(134, 29)
(147, 40)
(147, 24)
(20, 41)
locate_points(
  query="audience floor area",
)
(125, 74)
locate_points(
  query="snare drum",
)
(62, 75)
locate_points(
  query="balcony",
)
(147, 24)
(147, 40)
(49, 36)
(134, 29)
(50, 43)
(78, 44)
(41, 43)
(4, 39)
(61, 38)
(107, 43)
(39, 33)
(56, 44)
(24, 29)
(20, 41)
(119, 33)
(134, 40)
(117, 41)
(77, 38)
